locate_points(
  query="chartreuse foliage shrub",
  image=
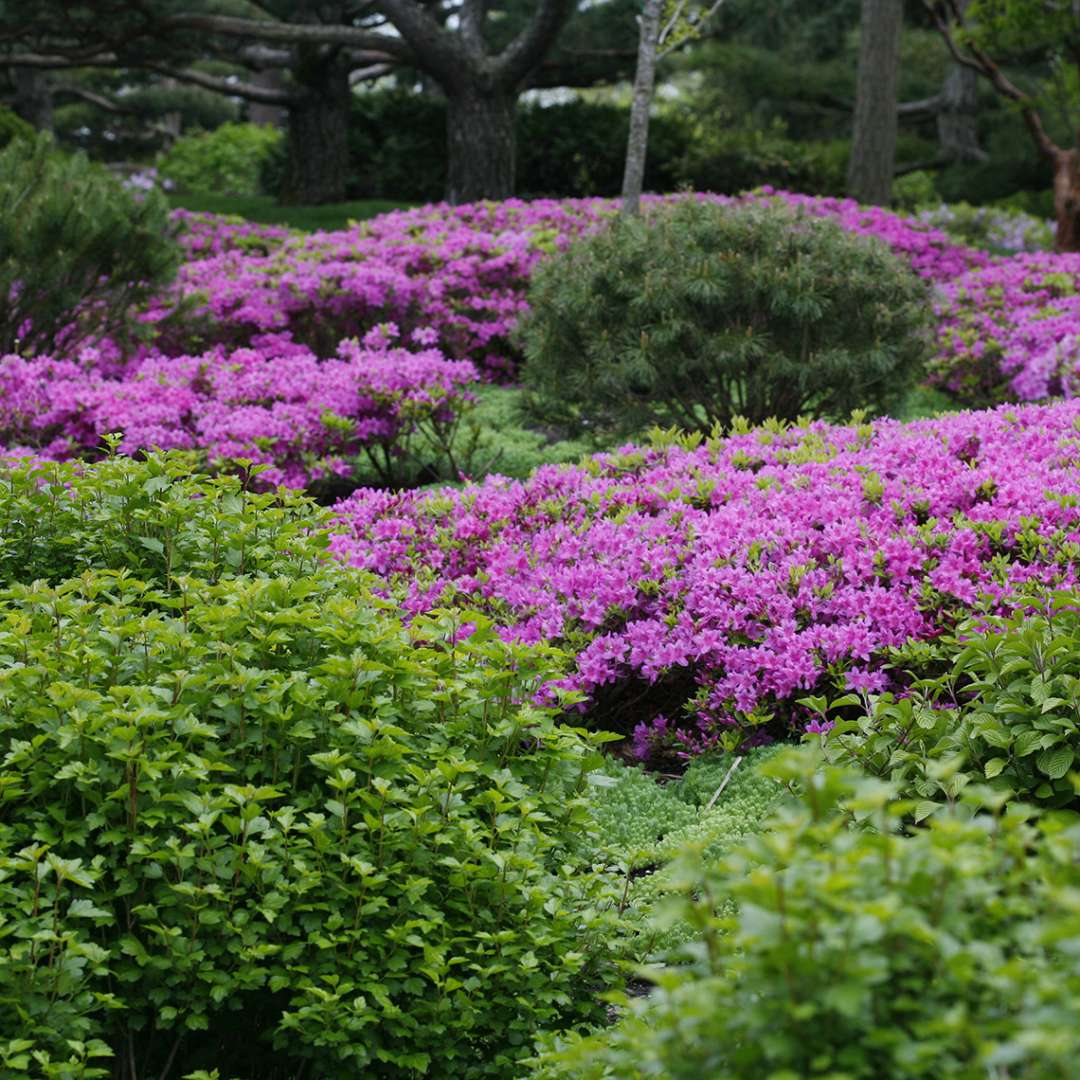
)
(227, 160)
(856, 950)
(699, 313)
(994, 702)
(239, 795)
(152, 520)
(76, 249)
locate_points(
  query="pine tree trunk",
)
(644, 83)
(480, 142)
(33, 97)
(259, 113)
(873, 145)
(317, 149)
(958, 134)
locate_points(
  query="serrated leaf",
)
(994, 767)
(1056, 762)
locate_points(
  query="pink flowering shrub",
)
(203, 235)
(1010, 331)
(458, 274)
(704, 589)
(274, 404)
(931, 253)
(461, 273)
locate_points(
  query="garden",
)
(513, 639)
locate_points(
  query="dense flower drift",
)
(460, 272)
(452, 281)
(1009, 330)
(276, 405)
(750, 570)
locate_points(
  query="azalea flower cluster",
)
(930, 252)
(1011, 330)
(460, 273)
(455, 280)
(707, 588)
(274, 403)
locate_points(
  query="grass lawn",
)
(263, 209)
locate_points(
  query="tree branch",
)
(945, 11)
(929, 105)
(473, 14)
(56, 62)
(264, 95)
(364, 74)
(97, 100)
(293, 33)
(442, 54)
(513, 64)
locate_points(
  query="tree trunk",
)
(33, 97)
(257, 112)
(317, 149)
(644, 82)
(873, 145)
(958, 134)
(1067, 200)
(480, 144)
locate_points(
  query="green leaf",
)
(1056, 761)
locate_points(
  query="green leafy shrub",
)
(701, 313)
(862, 952)
(493, 437)
(728, 154)
(994, 702)
(239, 795)
(76, 249)
(578, 149)
(13, 126)
(228, 160)
(914, 189)
(151, 519)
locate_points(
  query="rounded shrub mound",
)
(240, 796)
(228, 160)
(699, 313)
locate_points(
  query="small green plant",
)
(240, 794)
(76, 250)
(994, 702)
(853, 949)
(700, 313)
(227, 161)
(645, 825)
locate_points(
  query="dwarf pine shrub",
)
(76, 249)
(699, 313)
